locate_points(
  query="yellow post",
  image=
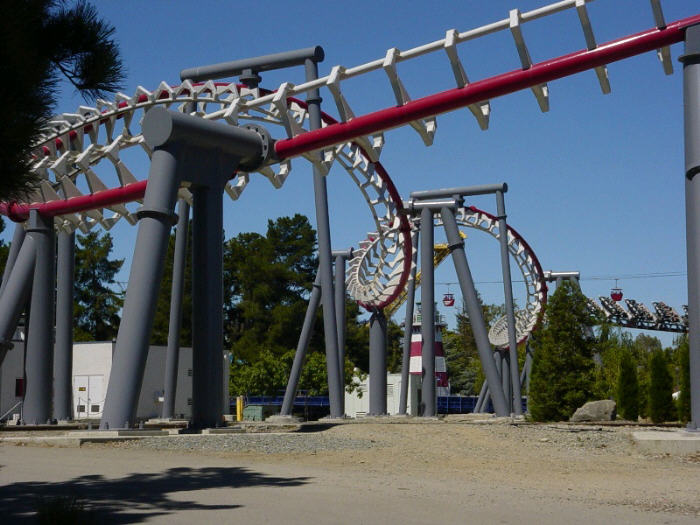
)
(239, 408)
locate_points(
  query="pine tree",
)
(563, 369)
(97, 304)
(660, 389)
(628, 388)
(42, 42)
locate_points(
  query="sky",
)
(595, 184)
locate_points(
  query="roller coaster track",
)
(71, 145)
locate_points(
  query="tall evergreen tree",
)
(42, 42)
(562, 370)
(660, 389)
(628, 388)
(97, 304)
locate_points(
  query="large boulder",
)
(604, 410)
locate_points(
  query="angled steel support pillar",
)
(377, 363)
(63, 356)
(40, 332)
(510, 310)
(16, 293)
(505, 378)
(474, 311)
(427, 327)
(691, 100)
(335, 387)
(17, 240)
(482, 395)
(172, 357)
(129, 361)
(408, 330)
(302, 347)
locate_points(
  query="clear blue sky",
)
(596, 184)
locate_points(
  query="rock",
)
(604, 410)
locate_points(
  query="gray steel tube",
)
(474, 311)
(377, 363)
(161, 127)
(505, 379)
(63, 353)
(40, 332)
(19, 284)
(207, 306)
(691, 99)
(408, 331)
(295, 57)
(335, 388)
(17, 240)
(339, 287)
(482, 396)
(302, 347)
(510, 309)
(172, 356)
(427, 293)
(145, 276)
(483, 189)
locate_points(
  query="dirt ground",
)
(369, 473)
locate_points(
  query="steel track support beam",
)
(377, 363)
(17, 240)
(185, 148)
(16, 294)
(340, 289)
(510, 308)
(691, 99)
(40, 332)
(302, 347)
(407, 332)
(474, 311)
(172, 356)
(63, 353)
(330, 328)
(427, 295)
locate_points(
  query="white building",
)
(92, 364)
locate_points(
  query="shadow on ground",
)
(136, 497)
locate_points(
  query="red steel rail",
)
(486, 89)
(393, 117)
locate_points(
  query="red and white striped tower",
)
(416, 361)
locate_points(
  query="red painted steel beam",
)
(100, 199)
(486, 89)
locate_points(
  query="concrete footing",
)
(676, 442)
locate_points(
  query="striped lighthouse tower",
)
(415, 364)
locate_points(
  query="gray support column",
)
(14, 298)
(408, 331)
(207, 311)
(63, 353)
(40, 332)
(691, 100)
(510, 309)
(377, 363)
(302, 347)
(474, 311)
(340, 293)
(172, 357)
(482, 396)
(17, 240)
(505, 379)
(131, 349)
(427, 293)
(335, 388)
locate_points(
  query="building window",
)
(94, 408)
(81, 408)
(189, 401)
(19, 387)
(189, 372)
